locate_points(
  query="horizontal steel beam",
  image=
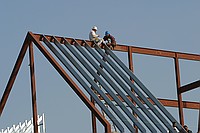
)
(140, 50)
(166, 102)
(156, 52)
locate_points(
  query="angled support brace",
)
(14, 73)
(189, 87)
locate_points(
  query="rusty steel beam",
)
(199, 121)
(156, 52)
(194, 57)
(166, 102)
(130, 61)
(140, 50)
(178, 85)
(33, 88)
(174, 103)
(36, 39)
(189, 87)
(14, 73)
(94, 123)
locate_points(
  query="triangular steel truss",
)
(106, 79)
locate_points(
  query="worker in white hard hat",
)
(93, 36)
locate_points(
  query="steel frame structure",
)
(36, 39)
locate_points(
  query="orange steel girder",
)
(36, 38)
(166, 102)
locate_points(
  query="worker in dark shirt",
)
(110, 40)
(187, 129)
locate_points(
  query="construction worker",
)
(174, 126)
(93, 36)
(187, 129)
(110, 40)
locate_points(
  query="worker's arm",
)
(94, 35)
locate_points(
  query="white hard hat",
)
(94, 28)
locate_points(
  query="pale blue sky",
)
(168, 25)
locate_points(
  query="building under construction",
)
(114, 92)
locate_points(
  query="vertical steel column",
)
(199, 121)
(130, 61)
(33, 88)
(178, 84)
(94, 123)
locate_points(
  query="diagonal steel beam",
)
(14, 73)
(189, 87)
